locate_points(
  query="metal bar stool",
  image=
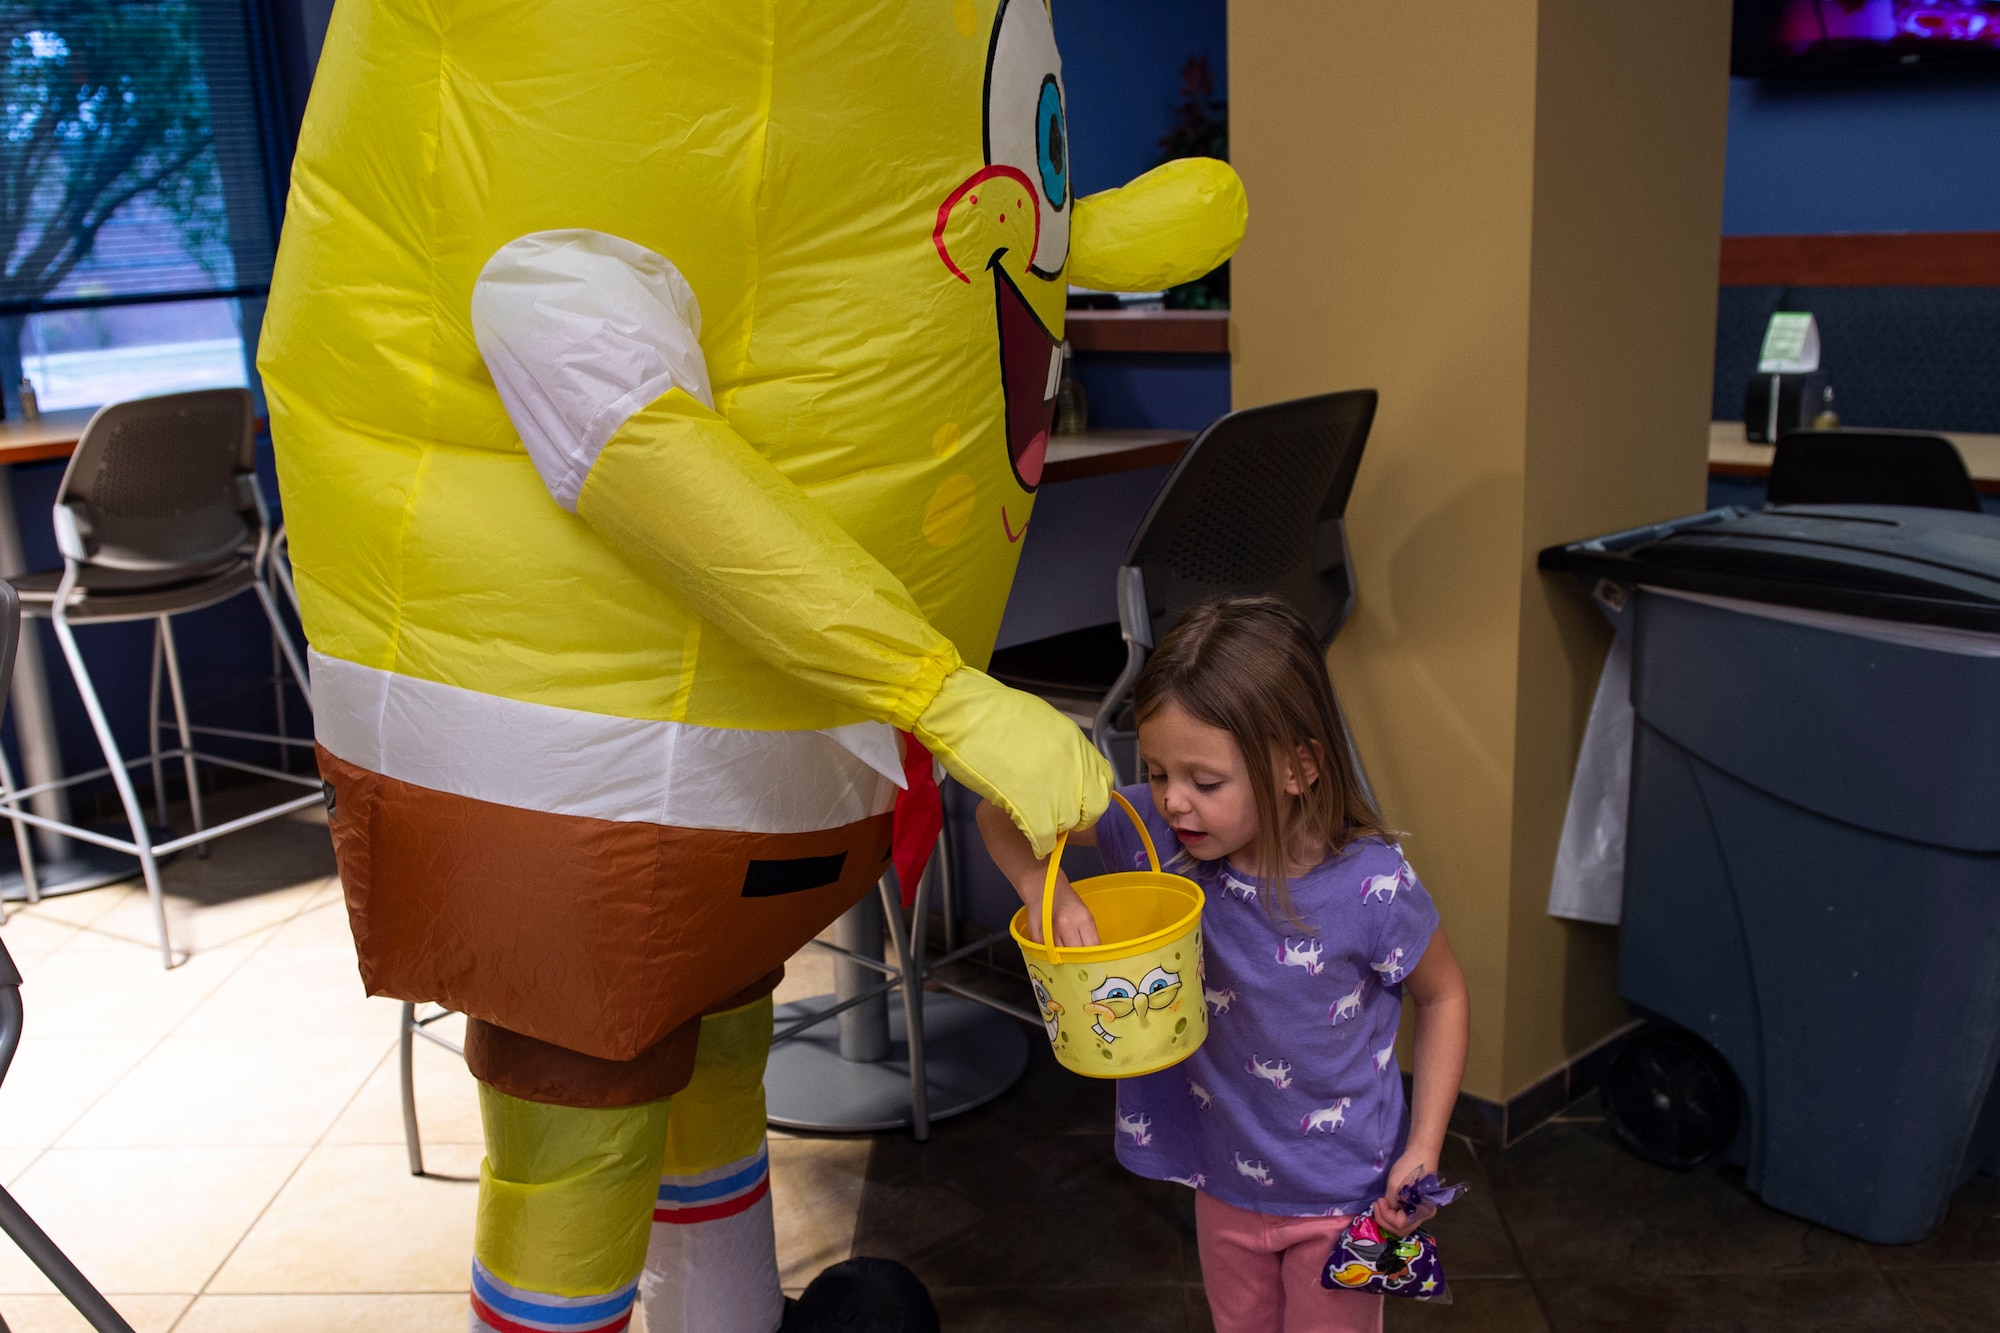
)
(157, 515)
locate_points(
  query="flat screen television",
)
(1806, 38)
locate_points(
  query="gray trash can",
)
(1812, 882)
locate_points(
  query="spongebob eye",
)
(1051, 147)
(1114, 988)
(1027, 127)
(1159, 979)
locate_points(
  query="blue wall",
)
(1122, 64)
(1894, 156)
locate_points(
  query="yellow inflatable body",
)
(660, 389)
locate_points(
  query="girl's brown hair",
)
(1252, 667)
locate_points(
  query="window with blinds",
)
(139, 194)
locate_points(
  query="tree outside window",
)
(109, 184)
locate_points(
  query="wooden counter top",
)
(1098, 453)
(1204, 332)
(1730, 455)
(54, 435)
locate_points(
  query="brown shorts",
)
(598, 937)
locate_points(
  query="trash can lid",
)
(1928, 566)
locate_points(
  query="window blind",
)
(137, 159)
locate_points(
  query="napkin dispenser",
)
(1789, 389)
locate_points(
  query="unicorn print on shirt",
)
(1219, 1000)
(1233, 887)
(1202, 1096)
(1193, 1182)
(1391, 967)
(1348, 1005)
(1139, 1127)
(1304, 954)
(1254, 1169)
(1328, 1118)
(1386, 887)
(1385, 1057)
(1278, 1073)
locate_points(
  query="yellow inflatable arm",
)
(683, 497)
(592, 342)
(1169, 226)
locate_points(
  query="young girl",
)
(1290, 1119)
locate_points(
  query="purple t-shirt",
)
(1294, 1105)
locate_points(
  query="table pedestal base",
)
(972, 1055)
(86, 867)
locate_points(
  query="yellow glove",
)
(1017, 752)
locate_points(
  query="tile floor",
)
(220, 1148)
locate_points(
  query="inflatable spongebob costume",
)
(660, 389)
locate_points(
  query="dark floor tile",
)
(1472, 1238)
(1969, 1234)
(1826, 1302)
(1488, 1305)
(1034, 1309)
(1952, 1300)
(1577, 1205)
(1048, 1100)
(1054, 1210)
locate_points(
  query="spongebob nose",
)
(995, 210)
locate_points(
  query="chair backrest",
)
(1870, 467)
(162, 483)
(1258, 504)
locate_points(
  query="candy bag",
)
(1366, 1258)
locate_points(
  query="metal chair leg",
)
(406, 1071)
(946, 858)
(24, 845)
(153, 729)
(292, 658)
(181, 721)
(142, 838)
(912, 981)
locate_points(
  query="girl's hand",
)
(1075, 927)
(1389, 1212)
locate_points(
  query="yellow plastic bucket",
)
(1133, 1004)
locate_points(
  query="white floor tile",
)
(54, 1080)
(125, 992)
(355, 1220)
(447, 1099)
(152, 1220)
(301, 992)
(192, 1092)
(53, 1314)
(436, 1313)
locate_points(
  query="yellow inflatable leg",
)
(712, 1266)
(565, 1201)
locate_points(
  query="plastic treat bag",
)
(1366, 1258)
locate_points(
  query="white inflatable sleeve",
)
(580, 330)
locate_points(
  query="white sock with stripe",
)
(712, 1265)
(500, 1307)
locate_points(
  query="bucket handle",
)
(1055, 868)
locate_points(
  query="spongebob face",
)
(1051, 1011)
(1115, 999)
(1011, 219)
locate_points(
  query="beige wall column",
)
(1506, 218)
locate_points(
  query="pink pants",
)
(1262, 1273)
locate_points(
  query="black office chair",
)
(1257, 504)
(1877, 467)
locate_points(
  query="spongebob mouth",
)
(1030, 369)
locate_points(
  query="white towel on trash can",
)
(1589, 879)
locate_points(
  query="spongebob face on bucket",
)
(1051, 1011)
